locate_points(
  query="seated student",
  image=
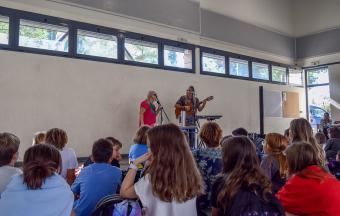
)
(310, 190)
(117, 145)
(274, 163)
(9, 146)
(321, 139)
(239, 132)
(139, 148)
(39, 138)
(96, 180)
(39, 191)
(209, 159)
(333, 144)
(334, 166)
(172, 181)
(286, 134)
(58, 138)
(242, 188)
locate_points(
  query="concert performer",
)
(149, 109)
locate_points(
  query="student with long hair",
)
(172, 181)
(274, 163)
(301, 131)
(58, 138)
(209, 159)
(242, 188)
(333, 144)
(310, 190)
(40, 190)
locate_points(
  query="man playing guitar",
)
(190, 104)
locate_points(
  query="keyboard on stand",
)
(209, 117)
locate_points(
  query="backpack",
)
(115, 205)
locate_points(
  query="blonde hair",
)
(174, 175)
(301, 131)
(39, 137)
(277, 144)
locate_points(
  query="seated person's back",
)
(9, 145)
(139, 147)
(96, 180)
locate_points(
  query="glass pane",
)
(95, 44)
(238, 67)
(295, 77)
(317, 76)
(43, 36)
(141, 51)
(260, 71)
(213, 63)
(4, 29)
(319, 102)
(177, 57)
(279, 74)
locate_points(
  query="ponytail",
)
(40, 162)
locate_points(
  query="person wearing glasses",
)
(149, 109)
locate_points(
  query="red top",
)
(303, 196)
(149, 116)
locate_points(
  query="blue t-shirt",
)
(93, 183)
(54, 198)
(137, 150)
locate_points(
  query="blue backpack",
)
(114, 205)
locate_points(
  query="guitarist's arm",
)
(180, 107)
(201, 105)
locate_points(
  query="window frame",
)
(179, 45)
(302, 79)
(214, 52)
(260, 61)
(245, 58)
(100, 30)
(282, 66)
(46, 20)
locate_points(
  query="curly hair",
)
(56, 137)
(241, 169)
(174, 175)
(211, 134)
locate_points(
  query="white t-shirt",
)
(154, 206)
(69, 160)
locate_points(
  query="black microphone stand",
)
(162, 111)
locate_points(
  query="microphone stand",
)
(162, 111)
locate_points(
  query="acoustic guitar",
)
(191, 111)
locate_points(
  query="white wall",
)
(313, 16)
(93, 99)
(273, 15)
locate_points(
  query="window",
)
(96, 44)
(213, 63)
(238, 67)
(43, 36)
(260, 71)
(279, 74)
(317, 76)
(141, 51)
(4, 29)
(295, 77)
(177, 57)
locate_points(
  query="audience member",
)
(9, 146)
(301, 131)
(242, 188)
(209, 160)
(333, 144)
(139, 147)
(39, 138)
(321, 139)
(286, 134)
(274, 161)
(334, 166)
(39, 191)
(117, 145)
(96, 180)
(172, 181)
(325, 124)
(310, 190)
(239, 132)
(58, 138)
